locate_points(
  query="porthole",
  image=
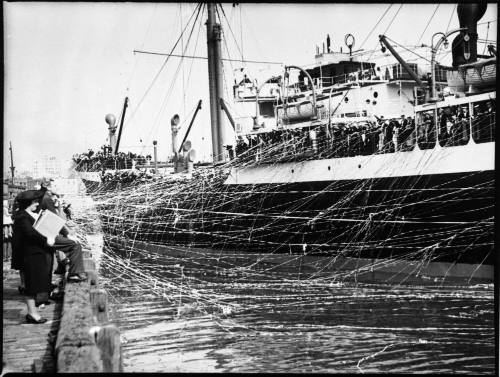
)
(359, 166)
(375, 94)
(368, 101)
(374, 102)
(329, 168)
(293, 171)
(346, 99)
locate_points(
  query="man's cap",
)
(45, 182)
(29, 195)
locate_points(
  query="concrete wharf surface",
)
(26, 347)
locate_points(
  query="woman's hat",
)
(29, 195)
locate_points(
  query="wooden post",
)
(99, 304)
(87, 253)
(88, 264)
(108, 342)
(37, 366)
(92, 277)
(89, 267)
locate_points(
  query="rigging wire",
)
(371, 31)
(393, 18)
(196, 42)
(241, 33)
(486, 39)
(134, 69)
(451, 17)
(182, 49)
(230, 29)
(428, 23)
(386, 29)
(204, 57)
(139, 103)
(170, 89)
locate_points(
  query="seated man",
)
(71, 248)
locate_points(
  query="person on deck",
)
(35, 252)
(71, 248)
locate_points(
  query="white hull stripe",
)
(461, 159)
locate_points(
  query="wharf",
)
(26, 348)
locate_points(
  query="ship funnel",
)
(464, 46)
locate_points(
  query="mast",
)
(125, 104)
(12, 168)
(215, 83)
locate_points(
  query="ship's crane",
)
(385, 44)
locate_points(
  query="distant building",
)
(10, 190)
(51, 167)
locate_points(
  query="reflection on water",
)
(264, 323)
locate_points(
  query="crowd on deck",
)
(105, 159)
(33, 254)
(126, 177)
(366, 137)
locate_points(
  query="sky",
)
(68, 65)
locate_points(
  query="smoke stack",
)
(464, 45)
(328, 43)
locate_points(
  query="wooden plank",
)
(84, 359)
(26, 347)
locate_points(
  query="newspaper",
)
(48, 224)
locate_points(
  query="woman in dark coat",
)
(36, 253)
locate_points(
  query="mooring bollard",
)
(99, 304)
(90, 269)
(88, 264)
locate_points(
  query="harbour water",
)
(186, 316)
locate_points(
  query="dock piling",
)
(99, 303)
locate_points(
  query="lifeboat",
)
(481, 75)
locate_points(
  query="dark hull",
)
(434, 218)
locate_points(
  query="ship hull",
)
(435, 218)
(422, 207)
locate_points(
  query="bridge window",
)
(266, 109)
(483, 121)
(426, 129)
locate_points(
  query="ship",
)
(381, 174)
